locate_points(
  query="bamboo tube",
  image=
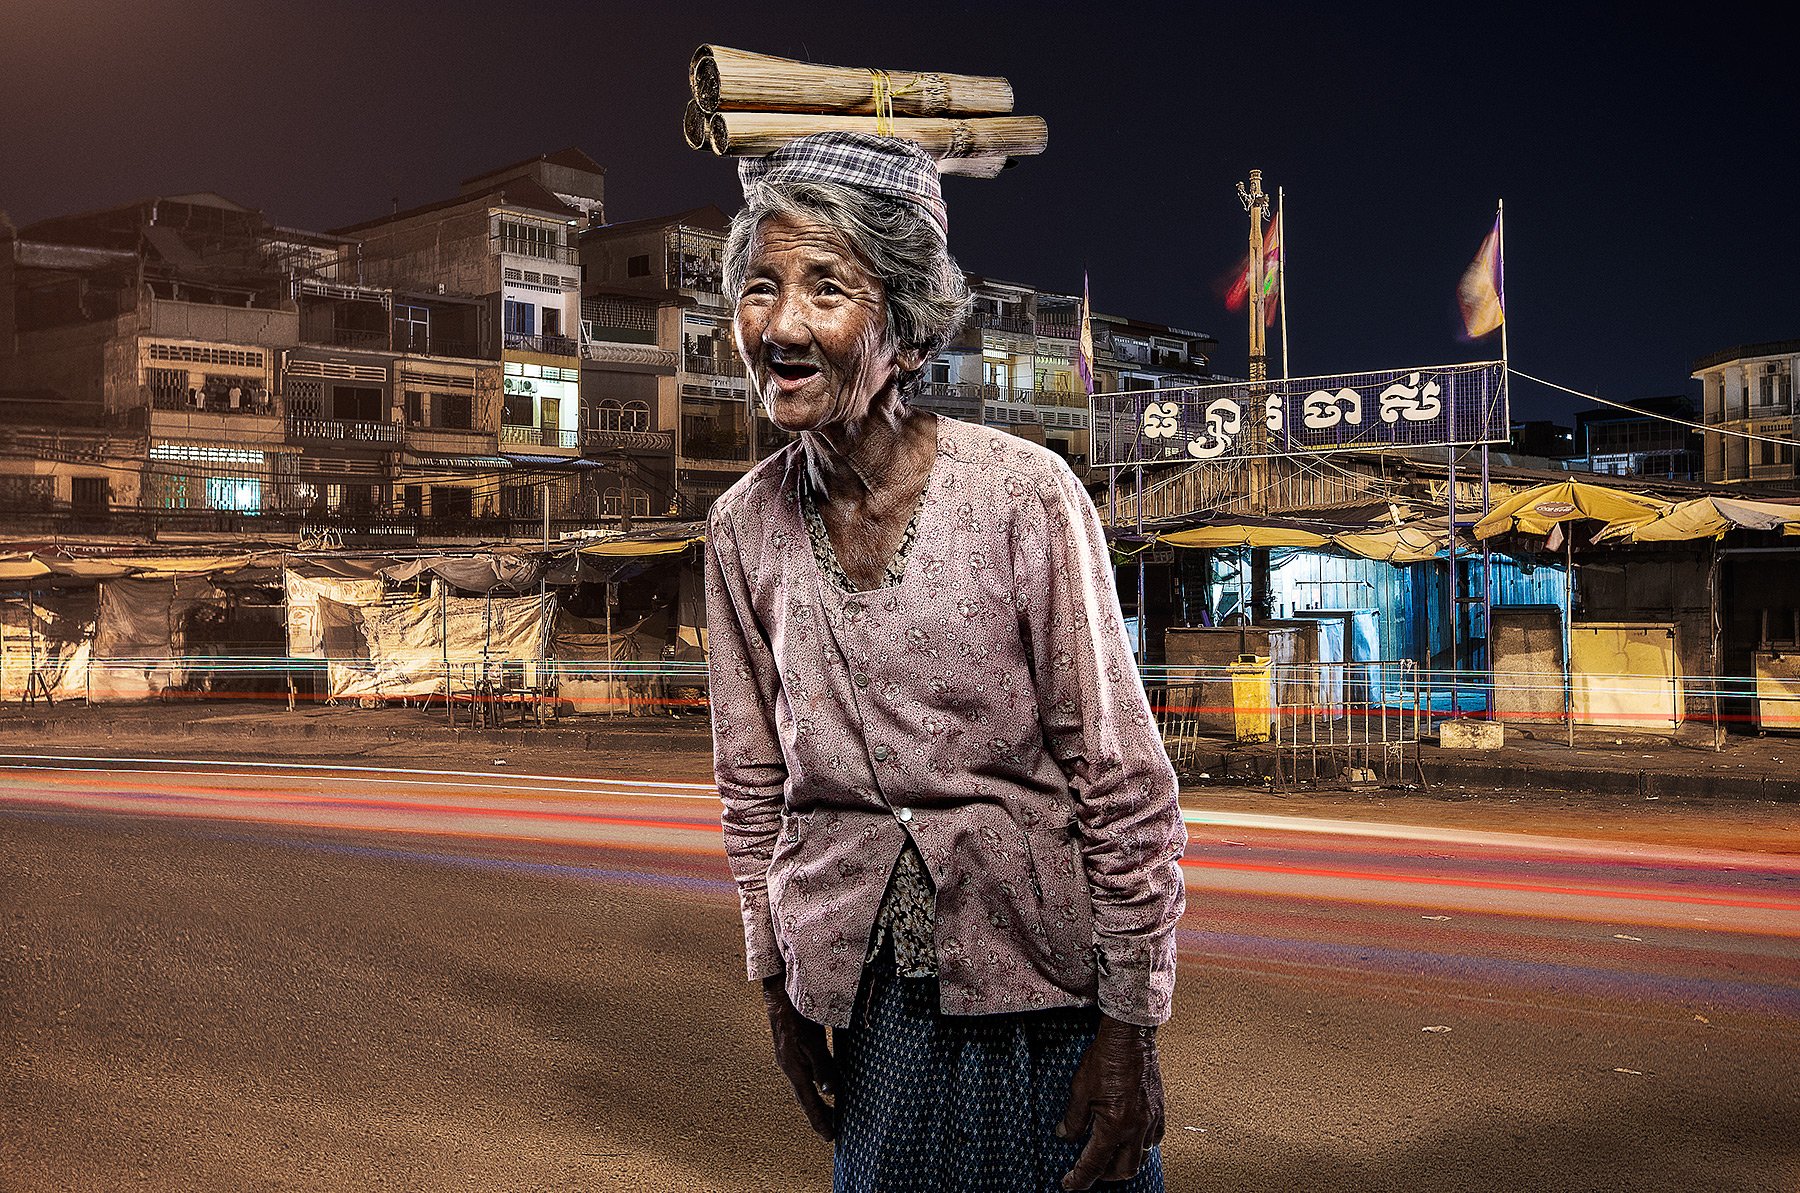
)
(973, 167)
(757, 134)
(725, 80)
(693, 126)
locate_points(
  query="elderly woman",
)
(951, 820)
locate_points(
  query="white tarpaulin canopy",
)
(420, 648)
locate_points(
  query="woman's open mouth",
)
(791, 375)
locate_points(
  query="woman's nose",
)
(786, 328)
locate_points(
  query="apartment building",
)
(243, 377)
(1750, 389)
(507, 240)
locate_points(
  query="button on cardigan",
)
(1002, 715)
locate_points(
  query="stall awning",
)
(1243, 534)
(1708, 517)
(1395, 544)
(1537, 509)
(630, 547)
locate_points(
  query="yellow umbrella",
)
(1709, 517)
(1537, 509)
(1243, 535)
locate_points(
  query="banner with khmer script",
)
(1239, 420)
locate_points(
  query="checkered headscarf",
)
(882, 165)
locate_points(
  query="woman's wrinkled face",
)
(811, 325)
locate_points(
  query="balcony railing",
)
(972, 396)
(544, 345)
(346, 432)
(539, 437)
(715, 366)
(1017, 324)
(433, 345)
(360, 339)
(715, 447)
(185, 403)
(562, 254)
(609, 439)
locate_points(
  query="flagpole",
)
(1281, 276)
(1487, 551)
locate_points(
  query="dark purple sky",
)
(1647, 165)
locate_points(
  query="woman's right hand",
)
(802, 1053)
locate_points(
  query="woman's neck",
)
(884, 453)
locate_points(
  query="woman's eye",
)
(830, 288)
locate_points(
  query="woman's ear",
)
(910, 360)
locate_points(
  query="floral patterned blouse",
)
(979, 719)
(905, 914)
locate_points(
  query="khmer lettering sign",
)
(1423, 407)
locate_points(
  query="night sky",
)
(1647, 164)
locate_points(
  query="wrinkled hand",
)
(801, 1052)
(1118, 1092)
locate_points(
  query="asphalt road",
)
(218, 974)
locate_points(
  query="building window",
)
(518, 410)
(940, 372)
(357, 403)
(415, 408)
(449, 501)
(168, 388)
(412, 328)
(552, 321)
(531, 240)
(638, 266)
(414, 499)
(90, 494)
(453, 411)
(520, 318)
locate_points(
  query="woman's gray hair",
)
(927, 297)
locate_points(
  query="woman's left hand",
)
(1117, 1091)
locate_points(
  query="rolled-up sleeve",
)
(1098, 726)
(747, 759)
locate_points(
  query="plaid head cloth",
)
(883, 165)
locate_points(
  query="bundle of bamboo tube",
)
(750, 105)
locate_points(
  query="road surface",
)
(228, 974)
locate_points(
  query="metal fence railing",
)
(1321, 721)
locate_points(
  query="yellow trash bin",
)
(1252, 700)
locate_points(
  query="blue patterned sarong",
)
(934, 1103)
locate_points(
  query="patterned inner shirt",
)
(908, 906)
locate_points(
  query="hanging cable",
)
(1667, 418)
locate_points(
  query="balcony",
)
(450, 441)
(346, 433)
(1022, 325)
(254, 403)
(715, 449)
(543, 345)
(553, 437)
(606, 439)
(421, 344)
(358, 339)
(521, 246)
(644, 355)
(712, 366)
(953, 396)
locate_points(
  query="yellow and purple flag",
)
(1084, 353)
(1482, 292)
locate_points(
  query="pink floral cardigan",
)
(986, 705)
